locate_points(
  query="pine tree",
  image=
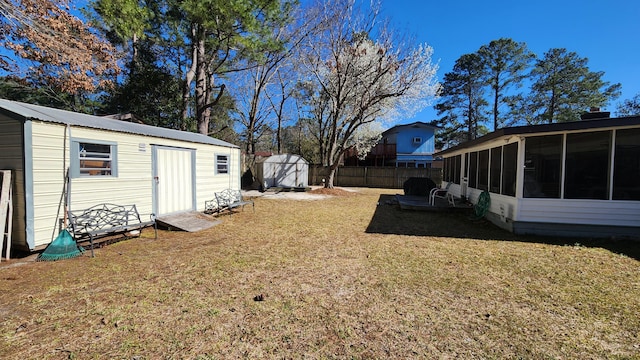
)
(506, 65)
(564, 87)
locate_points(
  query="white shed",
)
(161, 171)
(285, 170)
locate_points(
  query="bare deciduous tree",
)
(365, 73)
(61, 50)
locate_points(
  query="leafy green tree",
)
(19, 89)
(125, 22)
(462, 99)
(200, 42)
(218, 33)
(629, 107)
(563, 87)
(506, 64)
(150, 92)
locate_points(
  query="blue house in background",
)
(415, 144)
(409, 145)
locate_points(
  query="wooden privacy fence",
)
(381, 177)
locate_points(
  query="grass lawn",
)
(344, 277)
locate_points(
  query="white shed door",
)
(173, 180)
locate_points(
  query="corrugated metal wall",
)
(11, 159)
(174, 182)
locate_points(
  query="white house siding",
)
(503, 209)
(584, 212)
(133, 183)
(11, 159)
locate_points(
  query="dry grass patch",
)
(345, 277)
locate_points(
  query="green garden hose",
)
(482, 206)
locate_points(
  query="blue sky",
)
(607, 33)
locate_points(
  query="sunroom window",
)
(509, 169)
(473, 169)
(587, 165)
(627, 165)
(542, 166)
(483, 170)
(496, 165)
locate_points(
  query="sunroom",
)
(567, 179)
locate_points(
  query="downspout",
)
(68, 199)
(66, 186)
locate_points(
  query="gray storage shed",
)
(284, 170)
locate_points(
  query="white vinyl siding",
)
(585, 212)
(134, 181)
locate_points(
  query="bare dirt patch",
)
(333, 192)
(316, 193)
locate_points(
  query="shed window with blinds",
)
(93, 158)
(222, 164)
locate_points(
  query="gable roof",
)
(282, 159)
(417, 124)
(26, 112)
(548, 128)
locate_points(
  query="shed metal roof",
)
(282, 159)
(23, 111)
(548, 128)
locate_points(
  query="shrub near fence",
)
(375, 177)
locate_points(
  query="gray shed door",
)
(287, 175)
(173, 180)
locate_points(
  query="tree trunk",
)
(203, 111)
(328, 184)
(552, 106)
(186, 89)
(495, 110)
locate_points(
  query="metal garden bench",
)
(227, 199)
(105, 220)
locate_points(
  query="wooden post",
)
(6, 212)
